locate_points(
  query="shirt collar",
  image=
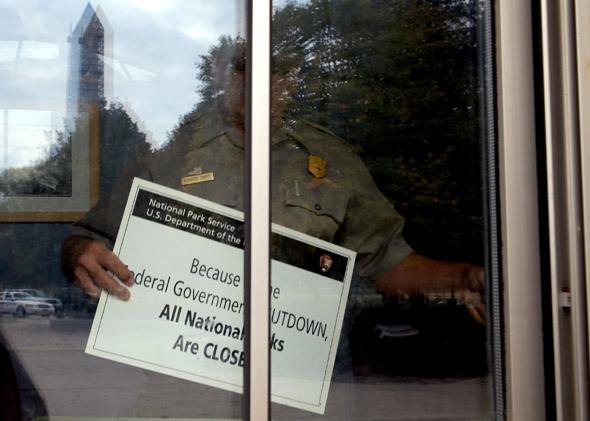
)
(236, 137)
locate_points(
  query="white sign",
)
(185, 317)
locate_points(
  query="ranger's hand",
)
(94, 267)
(418, 273)
(474, 278)
(474, 281)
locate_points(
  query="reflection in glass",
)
(378, 109)
(90, 46)
(36, 154)
(132, 67)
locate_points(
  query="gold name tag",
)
(197, 178)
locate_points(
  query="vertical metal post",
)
(525, 398)
(493, 222)
(257, 213)
(582, 14)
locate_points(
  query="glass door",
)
(328, 204)
(381, 169)
(147, 319)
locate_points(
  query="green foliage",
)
(121, 143)
(398, 80)
(50, 175)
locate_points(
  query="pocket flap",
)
(325, 201)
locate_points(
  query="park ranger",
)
(319, 187)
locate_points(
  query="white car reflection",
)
(39, 296)
(21, 304)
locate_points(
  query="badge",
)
(197, 178)
(316, 166)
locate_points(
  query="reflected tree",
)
(49, 176)
(398, 79)
(31, 256)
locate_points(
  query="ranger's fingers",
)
(88, 286)
(104, 280)
(110, 261)
(480, 280)
(478, 312)
(474, 278)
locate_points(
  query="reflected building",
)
(90, 74)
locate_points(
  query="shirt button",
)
(318, 207)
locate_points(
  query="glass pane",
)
(93, 95)
(377, 148)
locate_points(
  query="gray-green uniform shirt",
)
(343, 207)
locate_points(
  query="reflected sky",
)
(36, 131)
(156, 44)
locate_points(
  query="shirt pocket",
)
(318, 212)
